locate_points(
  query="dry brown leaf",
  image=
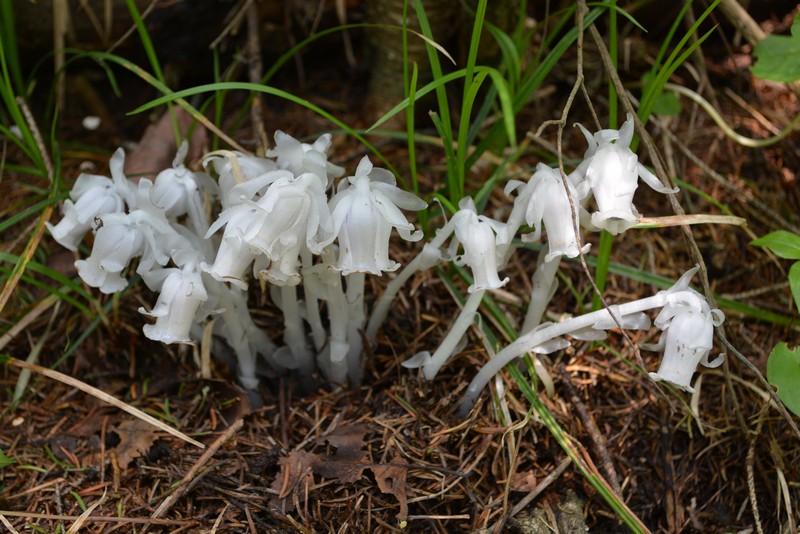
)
(347, 464)
(156, 149)
(295, 468)
(136, 437)
(391, 478)
(523, 481)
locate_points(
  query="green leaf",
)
(783, 371)
(794, 282)
(777, 56)
(667, 104)
(5, 461)
(782, 243)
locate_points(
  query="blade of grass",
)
(246, 86)
(152, 57)
(38, 232)
(98, 394)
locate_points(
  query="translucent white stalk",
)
(432, 363)
(293, 334)
(356, 320)
(243, 336)
(543, 282)
(429, 256)
(529, 341)
(312, 296)
(326, 283)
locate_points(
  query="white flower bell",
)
(545, 200)
(235, 170)
(297, 157)
(182, 293)
(234, 254)
(117, 241)
(611, 171)
(292, 214)
(688, 325)
(476, 233)
(91, 196)
(364, 211)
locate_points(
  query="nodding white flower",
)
(117, 240)
(182, 293)
(235, 170)
(687, 325)
(545, 201)
(611, 171)
(174, 189)
(234, 254)
(292, 214)
(476, 233)
(364, 211)
(91, 196)
(297, 157)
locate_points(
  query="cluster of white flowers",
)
(287, 222)
(608, 174)
(279, 223)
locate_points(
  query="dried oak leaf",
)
(391, 478)
(347, 464)
(135, 439)
(297, 467)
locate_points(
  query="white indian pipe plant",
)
(287, 223)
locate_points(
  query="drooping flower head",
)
(687, 324)
(544, 200)
(292, 214)
(182, 293)
(610, 172)
(235, 171)
(91, 196)
(299, 158)
(117, 240)
(476, 233)
(364, 211)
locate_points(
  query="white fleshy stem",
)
(537, 337)
(465, 318)
(338, 346)
(542, 282)
(429, 256)
(327, 282)
(515, 220)
(311, 301)
(293, 334)
(243, 336)
(356, 320)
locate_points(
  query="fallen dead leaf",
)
(523, 481)
(391, 478)
(136, 438)
(156, 149)
(350, 459)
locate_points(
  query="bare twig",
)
(594, 432)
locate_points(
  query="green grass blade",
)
(246, 86)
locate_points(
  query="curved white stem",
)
(535, 338)
(542, 282)
(447, 346)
